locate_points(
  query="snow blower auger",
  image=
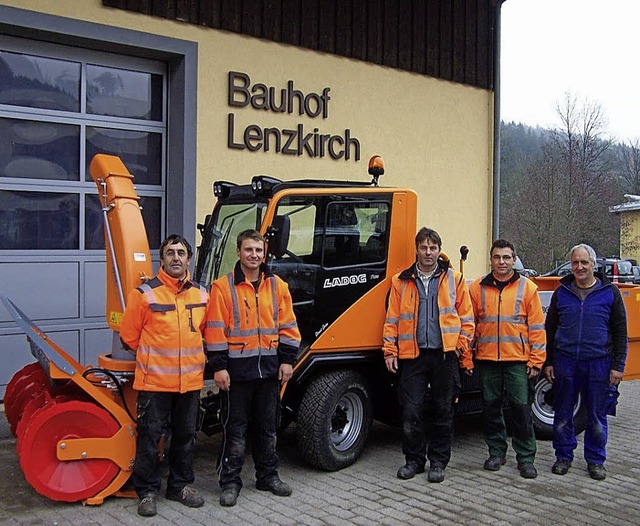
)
(75, 424)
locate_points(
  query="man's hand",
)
(532, 372)
(222, 380)
(615, 377)
(392, 363)
(548, 373)
(285, 372)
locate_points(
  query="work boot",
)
(527, 470)
(275, 486)
(560, 467)
(229, 496)
(410, 470)
(147, 506)
(188, 496)
(597, 471)
(436, 473)
(494, 463)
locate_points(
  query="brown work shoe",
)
(188, 496)
(147, 506)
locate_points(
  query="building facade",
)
(187, 93)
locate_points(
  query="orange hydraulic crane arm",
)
(128, 257)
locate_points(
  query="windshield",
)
(217, 254)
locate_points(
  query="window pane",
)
(39, 150)
(37, 82)
(38, 220)
(140, 152)
(123, 93)
(94, 232)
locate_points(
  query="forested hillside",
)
(557, 186)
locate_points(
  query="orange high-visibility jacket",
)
(455, 314)
(509, 323)
(250, 333)
(164, 322)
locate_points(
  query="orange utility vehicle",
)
(336, 243)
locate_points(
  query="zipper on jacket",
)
(259, 335)
(498, 331)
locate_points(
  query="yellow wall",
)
(630, 234)
(435, 136)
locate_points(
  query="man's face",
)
(427, 253)
(502, 261)
(251, 254)
(582, 267)
(175, 260)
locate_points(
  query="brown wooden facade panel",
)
(448, 39)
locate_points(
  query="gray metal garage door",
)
(59, 106)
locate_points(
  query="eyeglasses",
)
(504, 258)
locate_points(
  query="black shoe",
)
(494, 463)
(229, 496)
(409, 470)
(275, 486)
(560, 467)
(436, 473)
(597, 471)
(188, 496)
(147, 506)
(527, 470)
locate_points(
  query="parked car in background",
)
(527, 272)
(636, 274)
(616, 269)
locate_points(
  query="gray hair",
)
(590, 251)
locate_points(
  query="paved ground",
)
(369, 492)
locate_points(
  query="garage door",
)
(59, 106)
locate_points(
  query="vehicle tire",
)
(542, 409)
(334, 419)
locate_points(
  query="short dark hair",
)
(503, 243)
(430, 234)
(174, 239)
(248, 234)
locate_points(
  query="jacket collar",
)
(490, 281)
(239, 277)
(173, 283)
(441, 268)
(569, 279)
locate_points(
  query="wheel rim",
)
(542, 406)
(73, 480)
(347, 421)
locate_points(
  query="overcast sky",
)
(586, 47)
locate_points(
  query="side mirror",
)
(278, 236)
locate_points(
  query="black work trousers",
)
(434, 369)
(249, 406)
(156, 411)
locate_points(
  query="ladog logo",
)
(345, 280)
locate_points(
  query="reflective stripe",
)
(274, 300)
(466, 334)
(503, 339)
(168, 352)
(406, 316)
(289, 341)
(247, 333)
(538, 346)
(234, 300)
(449, 330)
(216, 347)
(536, 327)
(514, 320)
(389, 339)
(466, 319)
(171, 370)
(452, 290)
(292, 325)
(215, 325)
(391, 321)
(251, 353)
(447, 310)
(519, 295)
(405, 337)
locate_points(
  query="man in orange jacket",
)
(252, 341)
(427, 331)
(163, 325)
(509, 348)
